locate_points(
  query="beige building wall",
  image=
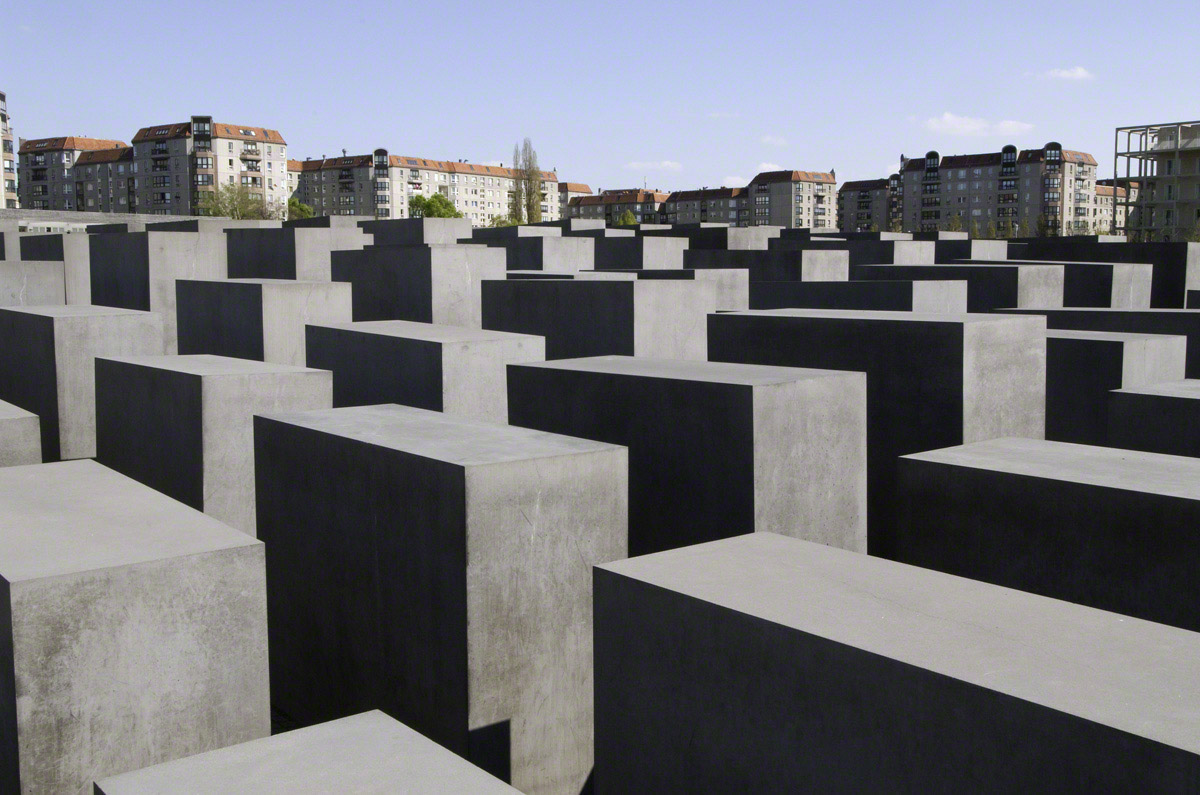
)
(8, 160)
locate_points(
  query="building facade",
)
(864, 206)
(381, 184)
(105, 181)
(1110, 209)
(794, 199)
(1007, 190)
(177, 164)
(1163, 160)
(568, 191)
(8, 191)
(46, 176)
(609, 205)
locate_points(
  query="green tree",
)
(298, 209)
(955, 223)
(531, 175)
(516, 195)
(874, 228)
(435, 206)
(1194, 235)
(1042, 229)
(502, 220)
(991, 230)
(974, 229)
(897, 225)
(626, 218)
(236, 202)
(1024, 230)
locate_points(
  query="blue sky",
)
(678, 95)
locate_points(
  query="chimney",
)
(343, 152)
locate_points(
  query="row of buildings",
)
(168, 169)
(802, 199)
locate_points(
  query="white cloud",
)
(1074, 73)
(734, 182)
(653, 165)
(774, 140)
(770, 167)
(723, 114)
(491, 163)
(951, 124)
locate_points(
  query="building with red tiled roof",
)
(46, 169)
(382, 184)
(609, 205)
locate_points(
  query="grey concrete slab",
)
(1082, 367)
(428, 284)
(733, 284)
(896, 295)
(183, 425)
(989, 286)
(486, 234)
(293, 252)
(715, 449)
(853, 673)
(213, 225)
(1156, 417)
(32, 283)
(138, 270)
(718, 237)
(556, 254)
(260, 319)
(932, 380)
(461, 371)
(20, 436)
(365, 754)
(868, 252)
(777, 266)
(576, 225)
(1184, 322)
(639, 252)
(1176, 265)
(464, 613)
(47, 356)
(417, 231)
(136, 629)
(40, 247)
(537, 275)
(1120, 285)
(1108, 528)
(945, 251)
(657, 318)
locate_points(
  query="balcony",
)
(159, 150)
(251, 154)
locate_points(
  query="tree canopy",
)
(435, 206)
(626, 218)
(234, 201)
(298, 209)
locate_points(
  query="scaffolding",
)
(1161, 201)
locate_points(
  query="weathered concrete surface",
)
(417, 231)
(896, 296)
(135, 629)
(365, 754)
(946, 251)
(1176, 265)
(466, 613)
(293, 252)
(32, 283)
(990, 286)
(428, 284)
(733, 284)
(1082, 367)
(47, 356)
(853, 673)
(932, 380)
(261, 319)
(1111, 529)
(138, 270)
(556, 254)
(782, 266)
(1185, 322)
(1156, 417)
(868, 252)
(718, 237)
(184, 424)
(1120, 285)
(639, 252)
(714, 449)
(486, 234)
(20, 436)
(457, 370)
(656, 318)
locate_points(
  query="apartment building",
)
(609, 205)
(294, 167)
(864, 205)
(381, 184)
(1110, 208)
(802, 199)
(1164, 161)
(105, 181)
(8, 193)
(1006, 188)
(46, 170)
(568, 191)
(176, 164)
